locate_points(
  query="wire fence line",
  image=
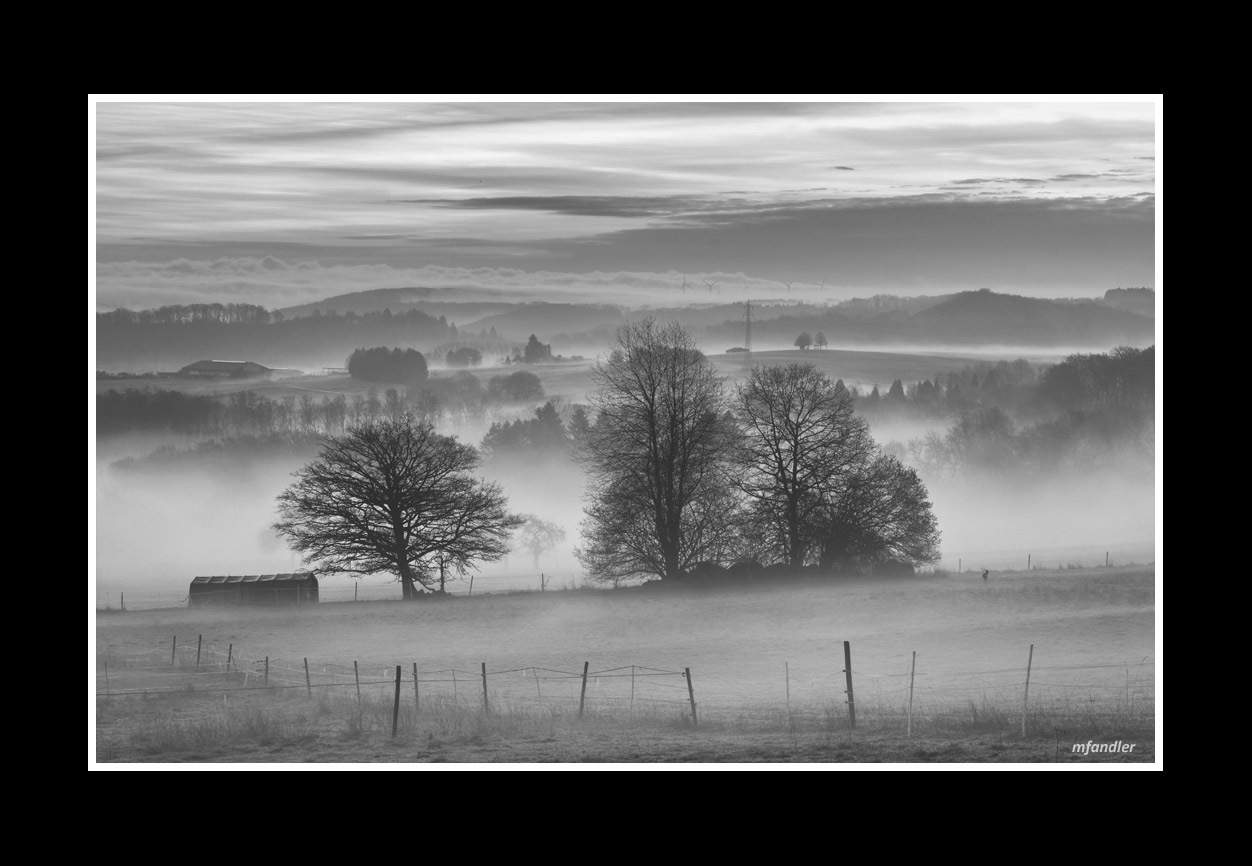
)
(191, 666)
(332, 590)
(1046, 558)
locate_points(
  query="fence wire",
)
(796, 693)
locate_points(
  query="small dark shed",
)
(259, 589)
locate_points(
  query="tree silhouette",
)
(537, 536)
(394, 496)
(801, 440)
(656, 458)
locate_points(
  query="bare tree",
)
(396, 497)
(801, 439)
(655, 456)
(537, 536)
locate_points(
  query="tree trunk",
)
(672, 569)
(406, 582)
(795, 541)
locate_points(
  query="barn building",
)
(257, 589)
(225, 370)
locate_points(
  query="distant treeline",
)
(175, 336)
(459, 397)
(1097, 410)
(963, 319)
(1120, 381)
(228, 454)
(186, 314)
(543, 436)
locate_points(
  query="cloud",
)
(928, 243)
(1018, 180)
(577, 205)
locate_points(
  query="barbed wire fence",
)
(897, 693)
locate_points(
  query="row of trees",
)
(683, 473)
(407, 366)
(534, 440)
(781, 470)
(183, 314)
(1089, 411)
(458, 398)
(805, 340)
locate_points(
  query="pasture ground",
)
(766, 663)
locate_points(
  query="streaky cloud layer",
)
(1040, 198)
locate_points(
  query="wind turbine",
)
(684, 284)
(711, 285)
(787, 284)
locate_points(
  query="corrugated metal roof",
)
(218, 579)
(223, 366)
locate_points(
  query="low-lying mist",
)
(996, 521)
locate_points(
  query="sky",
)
(285, 202)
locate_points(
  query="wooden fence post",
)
(787, 674)
(1106, 563)
(583, 697)
(124, 599)
(308, 684)
(847, 669)
(417, 699)
(355, 585)
(106, 677)
(632, 688)
(230, 655)
(395, 712)
(267, 670)
(471, 589)
(1028, 562)
(199, 641)
(486, 706)
(173, 650)
(912, 673)
(691, 695)
(356, 671)
(1026, 697)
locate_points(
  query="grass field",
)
(766, 668)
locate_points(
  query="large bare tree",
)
(656, 457)
(394, 496)
(801, 441)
